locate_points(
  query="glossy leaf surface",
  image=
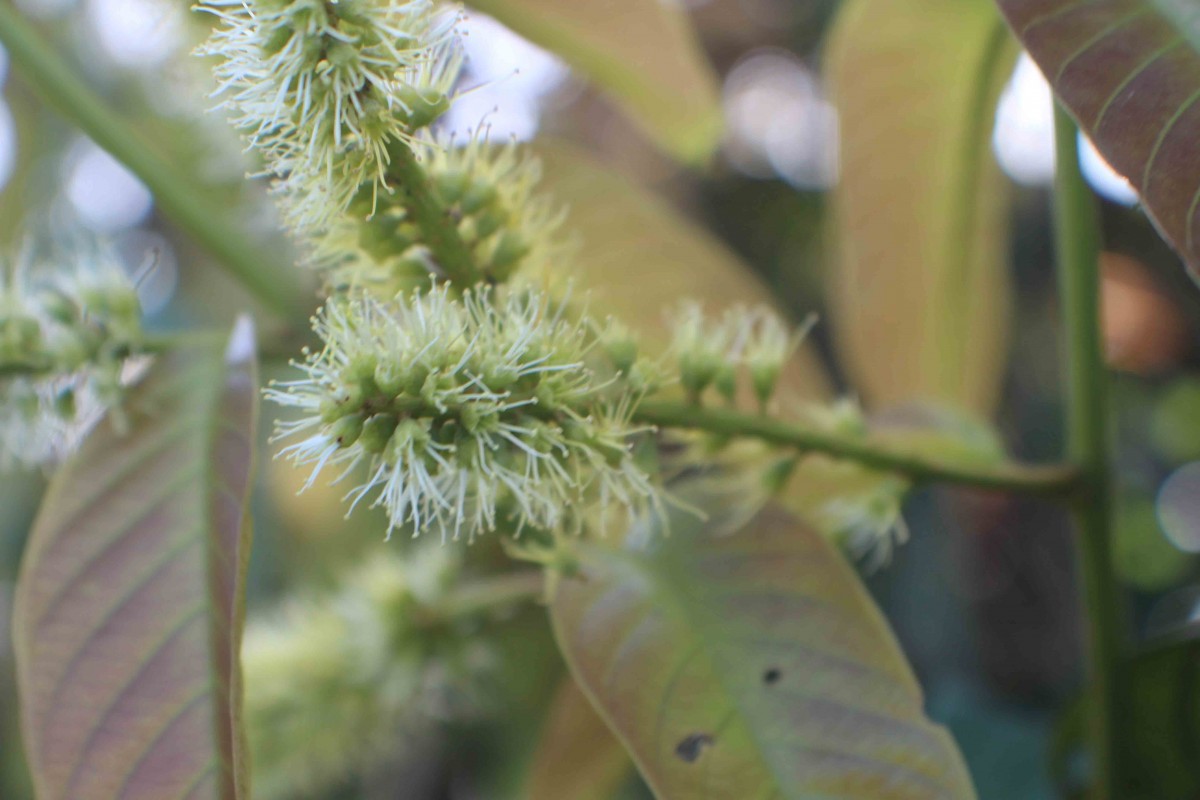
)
(920, 294)
(129, 605)
(1129, 72)
(749, 665)
(642, 52)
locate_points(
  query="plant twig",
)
(1046, 480)
(439, 228)
(1088, 432)
(177, 194)
(495, 592)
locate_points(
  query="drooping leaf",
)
(577, 756)
(637, 258)
(1129, 72)
(920, 294)
(748, 665)
(644, 53)
(129, 604)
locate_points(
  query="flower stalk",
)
(438, 226)
(1053, 481)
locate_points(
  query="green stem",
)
(495, 592)
(1045, 480)
(178, 195)
(1088, 442)
(439, 227)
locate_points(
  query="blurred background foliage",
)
(983, 597)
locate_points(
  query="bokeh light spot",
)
(8, 143)
(780, 123)
(137, 33)
(1179, 507)
(507, 79)
(106, 196)
(1023, 139)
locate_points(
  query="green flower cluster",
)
(490, 191)
(493, 410)
(339, 682)
(322, 89)
(711, 353)
(65, 335)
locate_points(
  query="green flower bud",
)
(620, 346)
(511, 248)
(697, 371)
(60, 307)
(65, 405)
(20, 336)
(489, 221)
(391, 378)
(726, 381)
(347, 430)
(277, 40)
(764, 377)
(423, 107)
(376, 432)
(451, 185)
(478, 196)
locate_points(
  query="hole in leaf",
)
(772, 676)
(689, 747)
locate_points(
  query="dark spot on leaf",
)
(689, 747)
(772, 676)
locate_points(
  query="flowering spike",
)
(489, 412)
(323, 88)
(492, 190)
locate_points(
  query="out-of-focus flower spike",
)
(69, 324)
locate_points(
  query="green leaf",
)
(642, 52)
(129, 604)
(751, 665)
(1164, 731)
(637, 258)
(1129, 72)
(577, 756)
(920, 296)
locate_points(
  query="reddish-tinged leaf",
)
(751, 665)
(1129, 71)
(129, 611)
